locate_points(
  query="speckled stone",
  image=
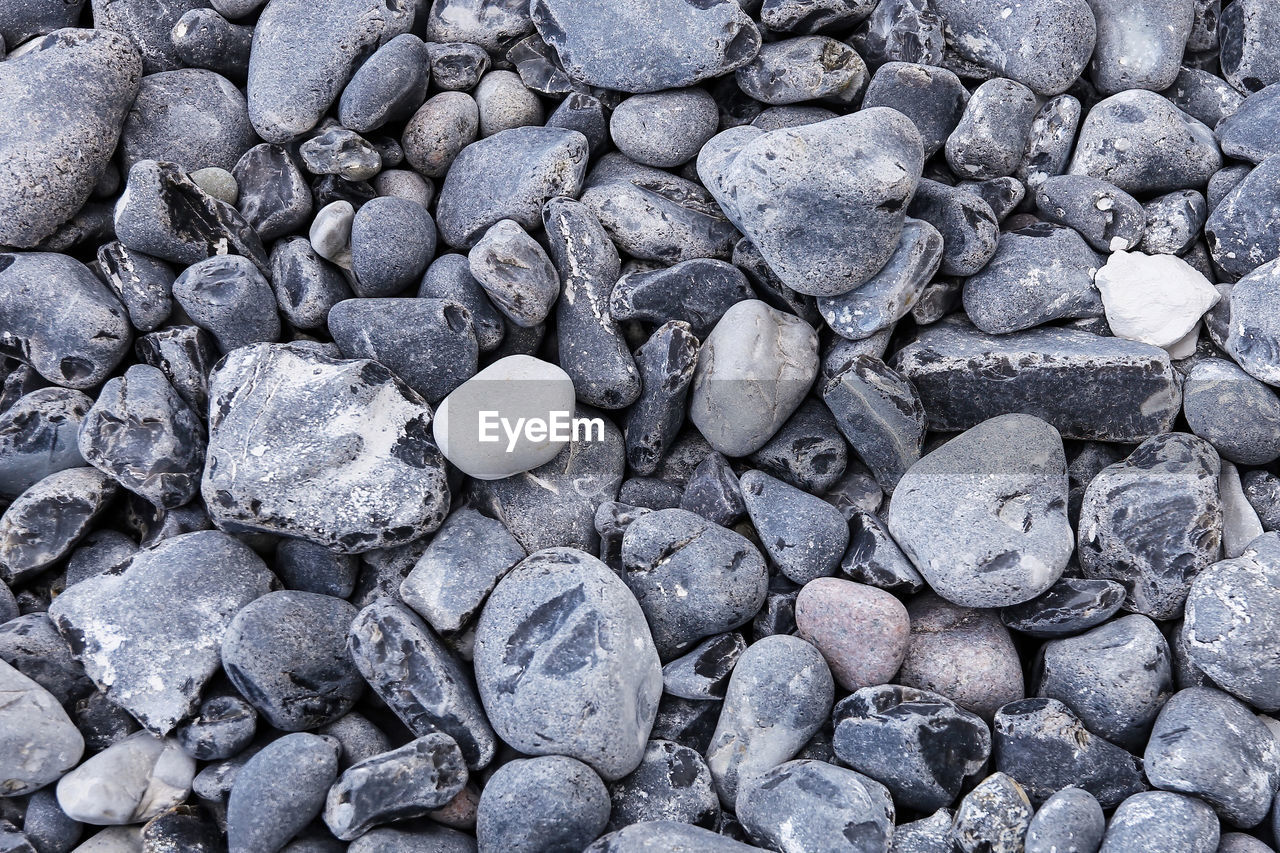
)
(993, 817)
(860, 630)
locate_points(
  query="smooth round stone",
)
(1210, 745)
(145, 436)
(992, 817)
(279, 791)
(808, 452)
(1161, 820)
(536, 804)
(1142, 143)
(1039, 273)
(516, 273)
(27, 18)
(664, 129)
(1070, 606)
(218, 183)
(992, 135)
(439, 130)
(81, 343)
(813, 805)
(142, 283)
(1207, 97)
(672, 783)
(984, 517)
(1232, 411)
(1231, 622)
(1046, 747)
(359, 739)
(286, 653)
(1071, 821)
(388, 87)
(405, 184)
(1172, 477)
(691, 577)
(306, 287)
(968, 225)
(38, 437)
(613, 45)
(38, 741)
(964, 654)
(669, 836)
(920, 745)
(504, 103)
(1140, 43)
(779, 695)
(289, 408)
(330, 232)
(860, 630)
(48, 830)
(45, 522)
(392, 241)
(1239, 842)
(190, 117)
(983, 35)
(849, 178)
(1155, 299)
(754, 370)
(130, 782)
(292, 80)
(509, 175)
(803, 535)
(408, 782)
(800, 69)
(1105, 215)
(515, 387)
(229, 297)
(44, 119)
(224, 726)
(933, 98)
(1115, 677)
(562, 633)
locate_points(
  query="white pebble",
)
(1156, 299)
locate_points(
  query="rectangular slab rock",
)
(1089, 387)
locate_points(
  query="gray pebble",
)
(27, 18)
(1070, 821)
(933, 98)
(807, 452)
(342, 152)
(1070, 606)
(202, 38)
(223, 727)
(992, 135)
(968, 225)
(810, 16)
(1204, 96)
(515, 273)
(901, 31)
(775, 118)
(1053, 135)
(40, 743)
(1240, 230)
(538, 804)
(704, 672)
(713, 491)
(42, 524)
(392, 241)
(1140, 44)
(664, 129)
(185, 355)
(143, 284)
(697, 292)
(279, 791)
(190, 117)
(1174, 222)
(32, 645)
(992, 817)
(38, 437)
(504, 103)
(800, 69)
(1262, 489)
(874, 558)
(493, 25)
(405, 184)
(306, 286)
(672, 783)
(803, 535)
(779, 695)
(1105, 215)
(879, 412)
(812, 805)
(388, 87)
(330, 236)
(1160, 820)
(457, 66)
(927, 835)
(449, 278)
(1232, 411)
(229, 297)
(1242, 32)
(665, 364)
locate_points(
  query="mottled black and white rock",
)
(665, 364)
(779, 695)
(1240, 230)
(879, 411)
(279, 791)
(968, 225)
(342, 152)
(202, 38)
(965, 377)
(874, 558)
(274, 197)
(1171, 477)
(1243, 31)
(62, 135)
(672, 783)
(1105, 215)
(1207, 744)
(1070, 821)
(348, 422)
(185, 355)
(1115, 677)
(45, 522)
(993, 817)
(222, 728)
(561, 632)
(919, 744)
(1070, 606)
(419, 678)
(77, 346)
(129, 782)
(515, 273)
(1161, 820)
(697, 292)
(408, 782)
(992, 135)
(546, 803)
(509, 175)
(38, 437)
(174, 603)
(1142, 143)
(814, 805)
(228, 296)
(1045, 747)
(143, 284)
(713, 491)
(704, 672)
(1174, 222)
(39, 742)
(803, 535)
(849, 179)
(146, 437)
(31, 644)
(808, 451)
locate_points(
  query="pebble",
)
(202, 38)
(31, 644)
(408, 782)
(860, 630)
(672, 783)
(178, 599)
(1202, 95)
(388, 87)
(46, 120)
(509, 175)
(274, 197)
(933, 98)
(850, 178)
(803, 69)
(129, 782)
(342, 152)
(992, 135)
(548, 803)
(1142, 143)
(966, 655)
(504, 103)
(146, 437)
(1232, 411)
(703, 673)
(1174, 477)
(665, 364)
(697, 292)
(1262, 489)
(291, 83)
(224, 726)
(994, 817)
(879, 411)
(1161, 820)
(280, 790)
(919, 744)
(392, 241)
(40, 742)
(1047, 748)
(1241, 32)
(46, 521)
(966, 377)
(372, 438)
(664, 129)
(1252, 338)
(190, 117)
(1140, 45)
(184, 354)
(492, 26)
(874, 558)
(812, 805)
(38, 437)
(1070, 606)
(1070, 821)
(803, 535)
(144, 285)
(667, 835)
(1155, 299)
(748, 384)
(1239, 231)
(692, 578)
(558, 632)
(968, 225)
(229, 297)
(1174, 222)
(1106, 216)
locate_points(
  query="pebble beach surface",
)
(639, 426)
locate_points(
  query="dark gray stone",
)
(388, 87)
(697, 292)
(968, 225)
(805, 68)
(143, 284)
(306, 286)
(515, 273)
(185, 355)
(1241, 229)
(278, 791)
(190, 117)
(704, 672)
(933, 98)
(1053, 135)
(27, 18)
(901, 31)
(45, 522)
(816, 806)
(1202, 94)
(1105, 215)
(228, 296)
(38, 437)
(1070, 821)
(714, 493)
(274, 197)
(665, 364)
(804, 536)
(1070, 606)
(993, 133)
(1161, 820)
(548, 803)
(1242, 32)
(449, 277)
(1174, 222)
(202, 38)
(338, 151)
(223, 727)
(669, 836)
(1232, 411)
(879, 411)
(31, 645)
(392, 241)
(672, 783)
(874, 558)
(807, 452)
